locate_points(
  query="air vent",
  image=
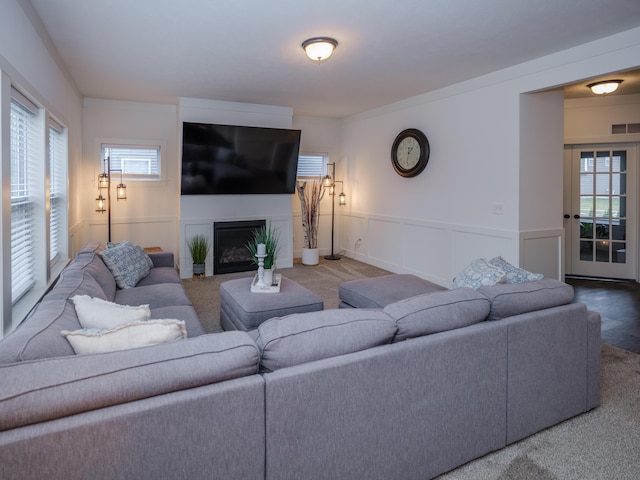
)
(623, 128)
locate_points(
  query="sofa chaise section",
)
(410, 410)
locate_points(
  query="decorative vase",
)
(267, 277)
(310, 256)
(198, 269)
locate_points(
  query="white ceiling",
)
(249, 50)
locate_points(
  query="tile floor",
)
(618, 302)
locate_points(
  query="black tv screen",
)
(228, 159)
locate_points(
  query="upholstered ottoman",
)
(240, 309)
(378, 292)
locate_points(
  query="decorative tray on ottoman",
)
(273, 288)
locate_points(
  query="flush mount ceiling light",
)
(605, 86)
(319, 48)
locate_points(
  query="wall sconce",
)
(330, 182)
(319, 48)
(104, 183)
(604, 87)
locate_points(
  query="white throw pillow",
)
(134, 335)
(98, 313)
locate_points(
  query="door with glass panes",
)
(603, 216)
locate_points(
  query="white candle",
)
(262, 249)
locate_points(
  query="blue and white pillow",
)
(128, 263)
(514, 274)
(479, 274)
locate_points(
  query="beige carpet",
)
(322, 279)
(603, 444)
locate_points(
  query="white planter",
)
(267, 277)
(310, 256)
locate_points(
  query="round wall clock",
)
(410, 152)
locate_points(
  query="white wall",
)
(149, 216)
(199, 212)
(589, 120)
(30, 63)
(491, 146)
(320, 136)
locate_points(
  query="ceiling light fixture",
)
(605, 86)
(319, 48)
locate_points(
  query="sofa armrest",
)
(162, 259)
(41, 390)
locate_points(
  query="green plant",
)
(269, 237)
(199, 249)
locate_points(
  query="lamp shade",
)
(604, 87)
(319, 48)
(101, 204)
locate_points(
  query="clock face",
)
(410, 152)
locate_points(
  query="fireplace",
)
(230, 253)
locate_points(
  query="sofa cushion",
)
(75, 281)
(98, 313)
(137, 334)
(514, 274)
(39, 335)
(181, 312)
(129, 263)
(478, 273)
(437, 312)
(378, 292)
(305, 337)
(33, 392)
(516, 298)
(157, 296)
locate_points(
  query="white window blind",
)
(135, 162)
(57, 191)
(311, 165)
(23, 157)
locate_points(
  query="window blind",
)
(311, 165)
(57, 191)
(23, 157)
(135, 162)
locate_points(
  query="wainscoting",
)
(439, 251)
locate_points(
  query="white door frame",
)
(630, 269)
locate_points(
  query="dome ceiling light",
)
(604, 87)
(319, 48)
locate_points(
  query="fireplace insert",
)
(230, 240)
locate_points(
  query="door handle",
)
(566, 215)
(576, 216)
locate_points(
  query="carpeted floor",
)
(322, 279)
(601, 444)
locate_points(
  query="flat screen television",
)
(229, 159)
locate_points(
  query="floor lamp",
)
(330, 182)
(104, 183)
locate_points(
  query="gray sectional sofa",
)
(407, 391)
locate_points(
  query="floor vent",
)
(624, 128)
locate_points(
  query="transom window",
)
(312, 165)
(136, 162)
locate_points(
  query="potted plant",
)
(269, 237)
(199, 249)
(310, 194)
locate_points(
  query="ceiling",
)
(249, 50)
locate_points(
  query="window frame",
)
(153, 179)
(325, 160)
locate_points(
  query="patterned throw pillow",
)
(479, 274)
(514, 274)
(128, 263)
